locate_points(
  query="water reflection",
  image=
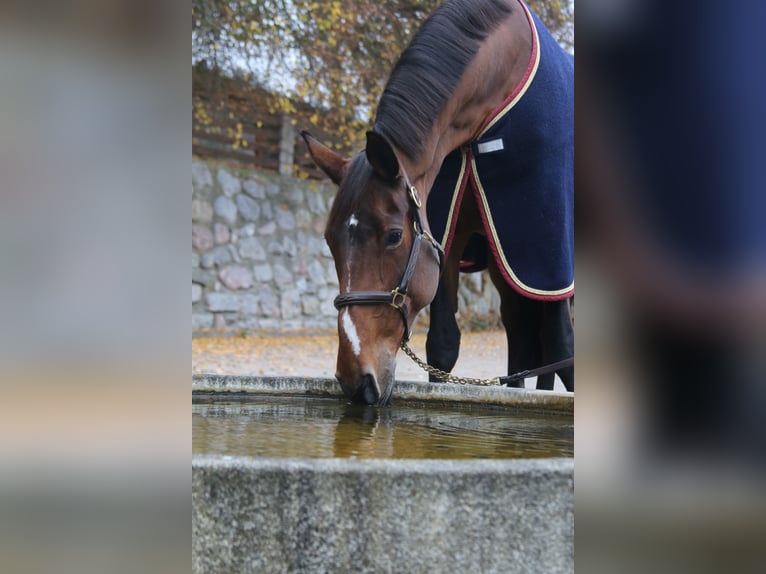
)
(364, 432)
(327, 427)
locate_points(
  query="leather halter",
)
(398, 295)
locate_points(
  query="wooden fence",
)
(233, 121)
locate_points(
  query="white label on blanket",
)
(491, 145)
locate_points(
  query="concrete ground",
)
(482, 355)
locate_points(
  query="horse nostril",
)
(367, 390)
(347, 390)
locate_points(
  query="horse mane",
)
(430, 68)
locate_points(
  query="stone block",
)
(221, 233)
(319, 225)
(233, 250)
(225, 209)
(302, 219)
(269, 302)
(263, 273)
(248, 304)
(236, 277)
(267, 212)
(254, 189)
(282, 276)
(316, 203)
(217, 256)
(251, 248)
(275, 248)
(268, 229)
(202, 237)
(201, 175)
(222, 302)
(196, 292)
(229, 184)
(294, 195)
(310, 305)
(202, 321)
(219, 322)
(270, 324)
(248, 207)
(202, 211)
(203, 277)
(285, 218)
(289, 247)
(291, 304)
(317, 272)
(272, 190)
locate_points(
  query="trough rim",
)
(510, 466)
(204, 384)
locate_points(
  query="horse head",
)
(375, 230)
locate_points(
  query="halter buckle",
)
(397, 304)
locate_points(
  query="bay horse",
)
(472, 64)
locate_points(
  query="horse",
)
(469, 65)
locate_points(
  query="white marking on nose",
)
(349, 329)
(352, 221)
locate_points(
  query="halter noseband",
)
(397, 296)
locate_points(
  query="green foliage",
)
(333, 54)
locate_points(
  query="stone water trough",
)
(298, 514)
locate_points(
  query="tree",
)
(333, 54)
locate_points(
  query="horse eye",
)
(393, 238)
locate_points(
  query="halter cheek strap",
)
(397, 297)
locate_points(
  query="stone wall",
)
(259, 259)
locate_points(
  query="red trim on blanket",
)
(524, 78)
(496, 252)
(450, 234)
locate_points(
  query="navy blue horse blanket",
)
(521, 171)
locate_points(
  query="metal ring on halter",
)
(414, 195)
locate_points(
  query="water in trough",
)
(329, 427)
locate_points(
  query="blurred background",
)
(94, 164)
(94, 337)
(671, 272)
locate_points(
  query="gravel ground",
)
(482, 355)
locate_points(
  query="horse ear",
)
(381, 156)
(333, 164)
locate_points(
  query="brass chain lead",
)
(444, 376)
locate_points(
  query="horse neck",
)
(482, 89)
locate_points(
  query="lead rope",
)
(443, 375)
(450, 378)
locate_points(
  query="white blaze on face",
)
(346, 322)
(349, 329)
(352, 222)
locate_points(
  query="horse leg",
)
(557, 341)
(521, 319)
(443, 339)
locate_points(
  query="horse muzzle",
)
(367, 390)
